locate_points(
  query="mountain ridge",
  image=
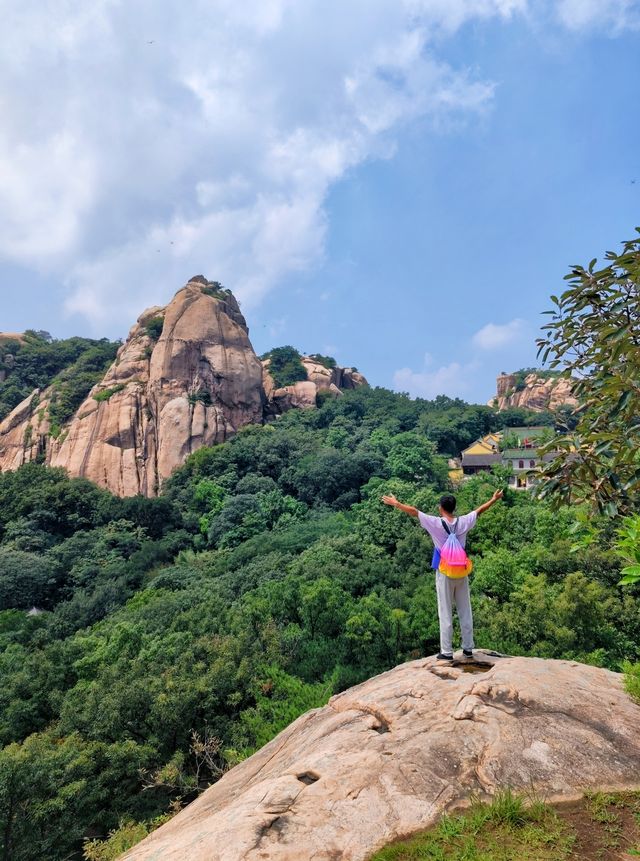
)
(186, 376)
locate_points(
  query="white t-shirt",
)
(461, 525)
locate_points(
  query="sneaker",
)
(468, 653)
(441, 657)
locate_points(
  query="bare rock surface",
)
(388, 757)
(22, 431)
(537, 394)
(11, 336)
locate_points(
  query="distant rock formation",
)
(187, 376)
(534, 391)
(11, 336)
(388, 757)
(303, 394)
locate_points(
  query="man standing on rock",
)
(449, 590)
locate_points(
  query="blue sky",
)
(400, 184)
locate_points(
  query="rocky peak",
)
(505, 384)
(303, 394)
(187, 376)
(222, 294)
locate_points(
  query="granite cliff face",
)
(187, 376)
(534, 392)
(388, 757)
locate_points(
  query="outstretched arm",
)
(392, 501)
(487, 505)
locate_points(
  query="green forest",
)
(35, 360)
(148, 645)
(177, 635)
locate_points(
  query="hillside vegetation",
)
(179, 634)
(73, 366)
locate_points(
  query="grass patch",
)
(632, 679)
(105, 394)
(514, 828)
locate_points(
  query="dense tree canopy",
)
(285, 366)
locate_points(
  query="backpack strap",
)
(449, 529)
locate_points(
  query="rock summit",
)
(386, 758)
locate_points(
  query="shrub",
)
(202, 395)
(122, 838)
(154, 327)
(327, 361)
(215, 289)
(105, 394)
(285, 366)
(632, 679)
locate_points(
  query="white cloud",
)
(494, 336)
(45, 194)
(455, 380)
(613, 15)
(144, 143)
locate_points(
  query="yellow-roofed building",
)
(515, 447)
(488, 443)
(481, 455)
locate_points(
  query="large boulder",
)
(387, 757)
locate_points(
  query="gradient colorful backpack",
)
(451, 559)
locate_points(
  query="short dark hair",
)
(448, 503)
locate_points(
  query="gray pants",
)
(452, 591)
